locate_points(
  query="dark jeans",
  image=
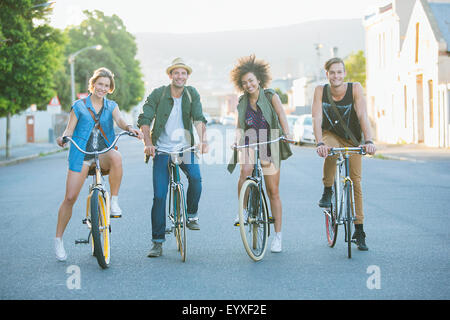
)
(160, 187)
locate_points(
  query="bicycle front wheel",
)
(180, 221)
(100, 229)
(253, 220)
(348, 219)
(331, 215)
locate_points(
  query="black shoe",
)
(192, 224)
(360, 237)
(325, 201)
(156, 250)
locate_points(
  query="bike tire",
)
(349, 221)
(253, 228)
(180, 222)
(331, 223)
(100, 229)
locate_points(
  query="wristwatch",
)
(320, 144)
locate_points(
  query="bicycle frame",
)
(341, 181)
(98, 181)
(342, 211)
(257, 173)
(174, 184)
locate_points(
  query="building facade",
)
(408, 64)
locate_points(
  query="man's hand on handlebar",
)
(369, 147)
(323, 150)
(150, 150)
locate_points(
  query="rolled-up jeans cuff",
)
(158, 240)
(192, 215)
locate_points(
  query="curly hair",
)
(244, 65)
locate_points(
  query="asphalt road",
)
(407, 227)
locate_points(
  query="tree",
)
(118, 54)
(29, 57)
(355, 66)
(283, 96)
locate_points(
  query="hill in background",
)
(290, 50)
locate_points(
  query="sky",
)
(192, 16)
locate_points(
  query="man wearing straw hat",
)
(175, 109)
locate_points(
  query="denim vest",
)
(84, 128)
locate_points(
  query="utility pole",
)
(318, 46)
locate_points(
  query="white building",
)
(408, 64)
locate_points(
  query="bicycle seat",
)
(92, 171)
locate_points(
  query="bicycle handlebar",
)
(359, 150)
(66, 139)
(265, 142)
(147, 157)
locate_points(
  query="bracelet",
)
(320, 144)
(369, 142)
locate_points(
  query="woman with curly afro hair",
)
(260, 118)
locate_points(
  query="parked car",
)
(207, 117)
(228, 120)
(291, 121)
(303, 130)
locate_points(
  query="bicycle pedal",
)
(84, 221)
(82, 241)
(114, 217)
(169, 230)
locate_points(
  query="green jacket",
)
(281, 150)
(159, 104)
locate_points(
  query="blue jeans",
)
(160, 187)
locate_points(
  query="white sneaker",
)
(59, 250)
(276, 243)
(116, 212)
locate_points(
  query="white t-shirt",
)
(173, 136)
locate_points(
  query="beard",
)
(179, 84)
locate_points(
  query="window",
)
(430, 100)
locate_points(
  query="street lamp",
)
(72, 66)
(45, 4)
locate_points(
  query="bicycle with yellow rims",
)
(342, 210)
(254, 214)
(98, 204)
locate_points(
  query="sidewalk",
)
(405, 152)
(412, 152)
(27, 152)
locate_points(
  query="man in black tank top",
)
(329, 132)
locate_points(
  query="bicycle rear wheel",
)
(253, 220)
(331, 223)
(100, 229)
(180, 221)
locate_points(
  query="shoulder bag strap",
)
(97, 122)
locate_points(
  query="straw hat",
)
(178, 63)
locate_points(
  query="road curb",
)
(398, 158)
(30, 157)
